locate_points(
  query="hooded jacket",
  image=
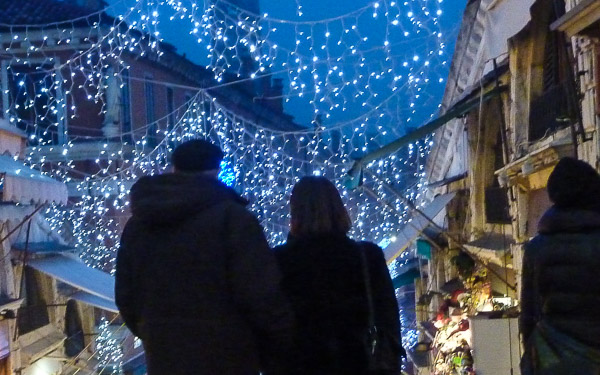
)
(560, 295)
(197, 282)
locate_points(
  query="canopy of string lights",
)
(355, 81)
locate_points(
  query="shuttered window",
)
(552, 110)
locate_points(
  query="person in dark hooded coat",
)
(195, 277)
(560, 290)
(323, 277)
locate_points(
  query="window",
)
(151, 125)
(553, 109)
(126, 107)
(497, 209)
(34, 312)
(187, 107)
(35, 102)
(170, 108)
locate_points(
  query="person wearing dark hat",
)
(195, 278)
(560, 284)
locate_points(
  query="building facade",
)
(522, 93)
(48, 298)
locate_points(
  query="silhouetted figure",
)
(560, 297)
(323, 278)
(195, 279)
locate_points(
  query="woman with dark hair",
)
(324, 278)
(560, 288)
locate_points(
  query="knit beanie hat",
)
(574, 184)
(197, 155)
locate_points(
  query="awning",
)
(459, 109)
(92, 300)
(42, 239)
(406, 278)
(447, 181)
(47, 340)
(10, 303)
(42, 247)
(21, 184)
(15, 213)
(492, 242)
(492, 247)
(75, 273)
(416, 225)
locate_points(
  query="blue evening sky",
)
(177, 32)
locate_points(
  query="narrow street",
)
(217, 186)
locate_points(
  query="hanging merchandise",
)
(463, 297)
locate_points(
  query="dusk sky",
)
(177, 32)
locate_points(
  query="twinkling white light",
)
(108, 348)
(365, 77)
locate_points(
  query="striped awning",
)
(21, 184)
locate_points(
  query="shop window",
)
(34, 312)
(74, 343)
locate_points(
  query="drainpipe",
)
(572, 83)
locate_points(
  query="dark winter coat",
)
(560, 298)
(197, 282)
(323, 278)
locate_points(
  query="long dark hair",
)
(317, 208)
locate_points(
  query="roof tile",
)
(37, 12)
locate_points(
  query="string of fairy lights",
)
(366, 77)
(333, 63)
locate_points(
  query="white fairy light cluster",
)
(264, 165)
(368, 76)
(110, 354)
(383, 58)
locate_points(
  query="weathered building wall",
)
(511, 143)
